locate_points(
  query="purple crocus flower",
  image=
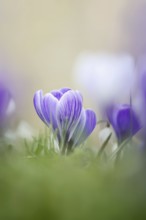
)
(124, 121)
(63, 110)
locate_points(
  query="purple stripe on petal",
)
(50, 104)
(38, 104)
(88, 127)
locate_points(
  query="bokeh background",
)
(41, 39)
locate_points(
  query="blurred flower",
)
(140, 102)
(124, 121)
(7, 106)
(63, 110)
(107, 77)
(23, 130)
(142, 73)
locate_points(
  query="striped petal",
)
(89, 122)
(50, 104)
(75, 136)
(68, 110)
(38, 104)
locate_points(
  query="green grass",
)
(37, 183)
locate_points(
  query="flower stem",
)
(104, 145)
(118, 151)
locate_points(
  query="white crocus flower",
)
(107, 77)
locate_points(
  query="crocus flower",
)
(124, 121)
(63, 110)
(109, 74)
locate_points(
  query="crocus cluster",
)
(63, 110)
(110, 73)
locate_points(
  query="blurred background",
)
(41, 40)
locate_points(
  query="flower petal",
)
(124, 121)
(50, 104)
(127, 123)
(64, 90)
(38, 104)
(89, 126)
(68, 110)
(112, 113)
(56, 93)
(77, 132)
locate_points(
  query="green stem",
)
(118, 151)
(102, 121)
(104, 145)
